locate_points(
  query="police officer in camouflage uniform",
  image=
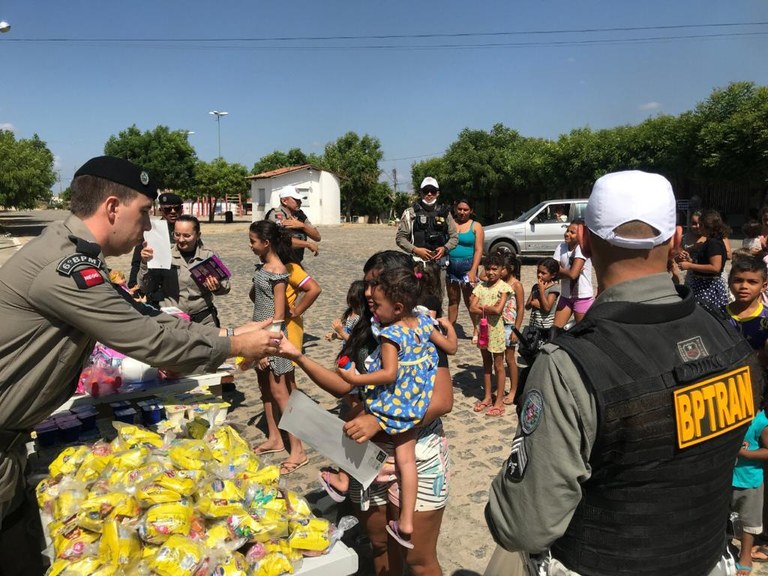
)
(56, 302)
(632, 420)
(290, 215)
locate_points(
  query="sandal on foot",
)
(481, 405)
(495, 411)
(288, 467)
(743, 570)
(508, 401)
(403, 539)
(759, 554)
(325, 482)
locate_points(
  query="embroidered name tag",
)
(88, 278)
(714, 406)
(75, 262)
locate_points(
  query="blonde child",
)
(487, 301)
(400, 379)
(512, 316)
(271, 244)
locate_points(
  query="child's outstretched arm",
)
(326, 379)
(386, 375)
(448, 343)
(761, 453)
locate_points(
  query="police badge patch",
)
(533, 409)
(692, 349)
(76, 262)
(517, 461)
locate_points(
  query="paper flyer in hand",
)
(158, 240)
(307, 420)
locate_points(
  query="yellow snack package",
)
(297, 505)
(68, 461)
(178, 557)
(283, 547)
(313, 540)
(268, 476)
(273, 564)
(227, 443)
(246, 461)
(273, 523)
(71, 495)
(219, 537)
(218, 498)
(133, 435)
(197, 428)
(95, 509)
(82, 567)
(72, 542)
(257, 495)
(130, 459)
(182, 481)
(244, 525)
(312, 524)
(119, 545)
(150, 494)
(46, 492)
(230, 564)
(94, 463)
(147, 472)
(164, 520)
(189, 454)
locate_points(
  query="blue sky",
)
(550, 75)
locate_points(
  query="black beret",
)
(169, 198)
(121, 172)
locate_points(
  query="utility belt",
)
(203, 314)
(11, 439)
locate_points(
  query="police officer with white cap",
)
(631, 421)
(56, 301)
(290, 215)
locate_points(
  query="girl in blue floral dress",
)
(400, 379)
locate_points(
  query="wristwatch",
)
(230, 331)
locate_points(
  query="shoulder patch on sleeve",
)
(533, 410)
(87, 278)
(75, 262)
(517, 461)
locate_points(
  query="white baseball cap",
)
(633, 195)
(290, 192)
(429, 181)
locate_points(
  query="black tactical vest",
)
(669, 380)
(430, 227)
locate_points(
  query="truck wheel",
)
(504, 247)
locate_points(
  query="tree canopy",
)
(26, 171)
(277, 159)
(165, 153)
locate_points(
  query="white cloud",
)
(56, 162)
(7, 127)
(650, 106)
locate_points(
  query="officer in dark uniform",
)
(56, 301)
(631, 422)
(289, 214)
(427, 230)
(171, 207)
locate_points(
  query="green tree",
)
(434, 167)
(26, 171)
(219, 179)
(356, 161)
(278, 159)
(166, 154)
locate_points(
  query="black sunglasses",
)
(172, 208)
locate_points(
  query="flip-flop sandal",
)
(291, 467)
(402, 539)
(481, 405)
(763, 551)
(268, 451)
(508, 402)
(495, 411)
(335, 496)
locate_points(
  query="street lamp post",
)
(218, 124)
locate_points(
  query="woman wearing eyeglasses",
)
(176, 287)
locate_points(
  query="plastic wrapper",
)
(68, 461)
(224, 563)
(100, 381)
(184, 482)
(86, 566)
(71, 495)
(189, 454)
(257, 495)
(95, 509)
(149, 494)
(312, 534)
(273, 564)
(274, 523)
(94, 463)
(133, 436)
(46, 492)
(247, 526)
(164, 520)
(226, 444)
(119, 546)
(198, 428)
(179, 556)
(219, 498)
(267, 476)
(218, 536)
(144, 474)
(284, 547)
(70, 541)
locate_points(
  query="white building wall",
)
(321, 198)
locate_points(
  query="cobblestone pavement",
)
(478, 445)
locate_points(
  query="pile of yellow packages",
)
(143, 505)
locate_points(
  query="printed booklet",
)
(211, 266)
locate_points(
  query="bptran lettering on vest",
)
(713, 407)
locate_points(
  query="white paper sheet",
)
(307, 420)
(157, 239)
